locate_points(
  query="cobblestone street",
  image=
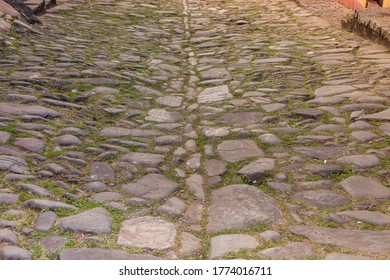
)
(193, 129)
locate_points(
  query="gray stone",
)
(45, 220)
(190, 244)
(68, 140)
(144, 159)
(9, 236)
(5, 137)
(214, 94)
(105, 90)
(365, 187)
(269, 138)
(241, 118)
(95, 187)
(54, 243)
(13, 164)
(283, 187)
(216, 132)
(102, 254)
(216, 73)
(385, 128)
(238, 150)
(11, 109)
(105, 196)
(269, 235)
(147, 90)
(47, 204)
(119, 132)
(194, 161)
(332, 90)
(173, 207)
(162, 115)
(321, 152)
(321, 198)
(275, 60)
(339, 256)
(321, 184)
(15, 253)
(371, 241)
(148, 233)
(215, 167)
(241, 206)
(324, 170)
(361, 161)
(168, 140)
(292, 251)
(194, 212)
(195, 183)
(258, 169)
(377, 218)
(309, 113)
(34, 189)
(96, 220)
(152, 186)
(223, 244)
(381, 116)
(8, 198)
(102, 171)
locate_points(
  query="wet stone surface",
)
(192, 129)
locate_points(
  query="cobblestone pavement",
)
(193, 129)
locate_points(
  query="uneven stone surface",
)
(15, 253)
(292, 251)
(211, 118)
(241, 206)
(223, 244)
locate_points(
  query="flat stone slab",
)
(102, 171)
(216, 73)
(96, 220)
(332, 90)
(31, 144)
(148, 233)
(13, 164)
(241, 206)
(321, 152)
(45, 220)
(321, 199)
(15, 253)
(190, 244)
(8, 198)
(377, 218)
(7, 235)
(34, 189)
(170, 101)
(214, 94)
(365, 187)
(52, 244)
(162, 115)
(338, 256)
(215, 167)
(361, 161)
(223, 244)
(258, 169)
(144, 159)
(47, 204)
(102, 254)
(308, 113)
(152, 186)
(238, 150)
(120, 131)
(370, 241)
(14, 109)
(241, 118)
(4, 137)
(381, 116)
(292, 251)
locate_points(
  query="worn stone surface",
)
(292, 251)
(190, 244)
(365, 187)
(361, 161)
(45, 220)
(241, 118)
(8, 198)
(15, 253)
(377, 218)
(321, 198)
(97, 220)
(214, 94)
(238, 150)
(258, 169)
(241, 206)
(147, 232)
(223, 244)
(144, 159)
(102, 254)
(47, 204)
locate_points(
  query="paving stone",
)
(168, 140)
(364, 187)
(385, 128)
(45, 220)
(361, 161)
(34, 189)
(68, 140)
(271, 139)
(15, 253)
(321, 152)
(321, 199)
(241, 206)
(102, 171)
(53, 244)
(195, 183)
(152, 186)
(162, 115)
(370, 241)
(13, 164)
(173, 207)
(11, 109)
(105, 196)
(238, 150)
(269, 235)
(148, 233)
(223, 244)
(381, 116)
(8, 236)
(273, 107)
(283, 187)
(190, 244)
(339, 256)
(324, 170)
(309, 113)
(332, 90)
(144, 159)
(4, 137)
(96, 220)
(194, 212)
(8, 198)
(241, 118)
(119, 132)
(364, 136)
(95, 187)
(102, 254)
(292, 251)
(377, 218)
(215, 167)
(194, 162)
(216, 73)
(104, 90)
(214, 94)
(47, 204)
(258, 169)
